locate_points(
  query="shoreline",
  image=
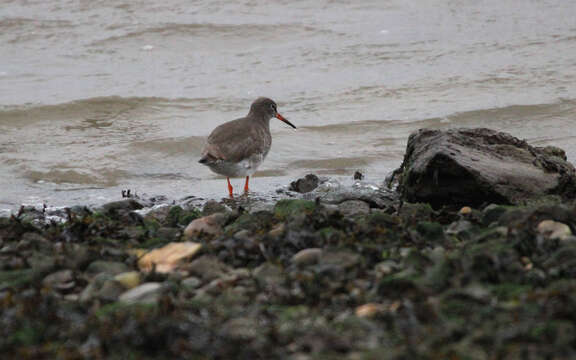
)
(296, 278)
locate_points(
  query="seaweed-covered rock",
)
(475, 166)
(289, 207)
(354, 207)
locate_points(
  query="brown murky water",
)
(99, 96)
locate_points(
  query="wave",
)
(19, 29)
(209, 32)
(110, 107)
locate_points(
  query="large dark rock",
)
(476, 166)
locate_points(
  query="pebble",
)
(147, 293)
(128, 279)
(277, 231)
(213, 207)
(308, 256)
(108, 267)
(554, 230)
(110, 290)
(207, 268)
(61, 280)
(268, 274)
(340, 258)
(369, 310)
(211, 224)
(192, 282)
(168, 258)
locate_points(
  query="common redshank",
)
(238, 147)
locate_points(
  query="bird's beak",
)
(280, 117)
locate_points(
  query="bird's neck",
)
(259, 118)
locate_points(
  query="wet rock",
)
(415, 212)
(305, 184)
(354, 207)
(178, 216)
(306, 257)
(129, 279)
(385, 268)
(376, 197)
(492, 213)
(244, 328)
(461, 228)
(168, 233)
(191, 282)
(207, 268)
(288, 207)
(269, 274)
(33, 240)
(102, 287)
(158, 213)
(121, 208)
(168, 258)
(475, 166)
(430, 231)
(554, 230)
(243, 235)
(147, 293)
(211, 225)
(277, 231)
(15, 278)
(31, 214)
(340, 258)
(61, 281)
(78, 256)
(110, 290)
(252, 222)
(369, 310)
(214, 207)
(107, 267)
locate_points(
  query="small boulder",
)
(305, 184)
(477, 166)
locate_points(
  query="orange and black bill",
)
(280, 117)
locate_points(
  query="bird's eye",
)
(273, 107)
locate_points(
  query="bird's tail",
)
(207, 159)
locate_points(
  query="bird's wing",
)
(225, 143)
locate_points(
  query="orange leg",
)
(230, 189)
(246, 185)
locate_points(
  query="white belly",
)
(246, 167)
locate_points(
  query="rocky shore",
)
(328, 272)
